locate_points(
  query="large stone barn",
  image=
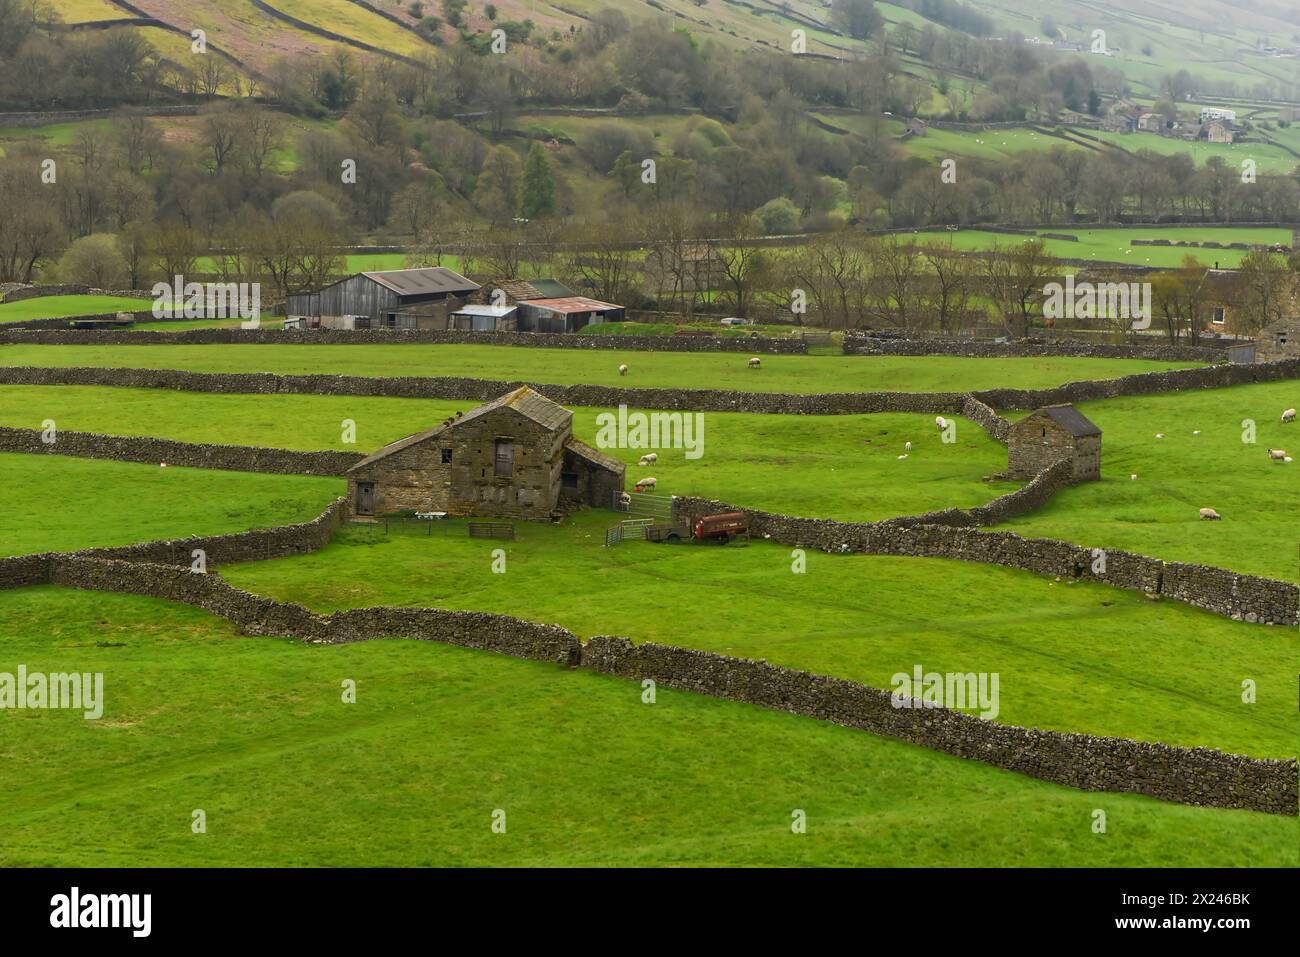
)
(1050, 435)
(1280, 340)
(514, 457)
(394, 299)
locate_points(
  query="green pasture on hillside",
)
(253, 732)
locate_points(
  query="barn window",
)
(505, 458)
(446, 456)
(569, 479)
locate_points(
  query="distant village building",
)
(1280, 340)
(1152, 122)
(1210, 113)
(1217, 132)
(1049, 435)
(514, 457)
(915, 127)
(392, 299)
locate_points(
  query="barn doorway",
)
(365, 498)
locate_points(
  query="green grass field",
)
(848, 465)
(806, 374)
(252, 731)
(1157, 513)
(83, 503)
(56, 307)
(1066, 653)
(1115, 245)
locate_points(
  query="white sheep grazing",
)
(647, 483)
(624, 499)
(1210, 514)
(1277, 455)
(622, 370)
(903, 456)
(907, 446)
(1288, 415)
(1160, 435)
(649, 458)
(755, 362)
(1133, 477)
(941, 422)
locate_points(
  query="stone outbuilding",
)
(514, 457)
(1280, 340)
(1049, 435)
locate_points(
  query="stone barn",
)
(1050, 435)
(514, 457)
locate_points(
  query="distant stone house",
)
(1280, 340)
(1152, 122)
(514, 457)
(1049, 435)
(1217, 132)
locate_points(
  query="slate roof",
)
(527, 402)
(585, 451)
(1071, 419)
(422, 282)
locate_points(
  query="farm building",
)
(1280, 340)
(1151, 122)
(514, 457)
(1217, 132)
(510, 292)
(395, 299)
(476, 318)
(1050, 435)
(567, 314)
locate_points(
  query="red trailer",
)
(722, 528)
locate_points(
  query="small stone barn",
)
(1281, 340)
(514, 457)
(1049, 435)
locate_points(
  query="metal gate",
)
(642, 503)
(629, 528)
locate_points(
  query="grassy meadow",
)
(1065, 652)
(57, 307)
(252, 731)
(847, 466)
(1157, 513)
(84, 503)
(686, 370)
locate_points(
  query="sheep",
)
(1133, 477)
(941, 422)
(755, 362)
(624, 499)
(646, 483)
(1288, 415)
(903, 456)
(1160, 435)
(649, 458)
(1210, 514)
(622, 369)
(907, 446)
(1277, 455)
(1196, 432)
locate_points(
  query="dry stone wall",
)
(750, 345)
(252, 545)
(693, 400)
(860, 345)
(124, 448)
(1198, 776)
(1240, 597)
